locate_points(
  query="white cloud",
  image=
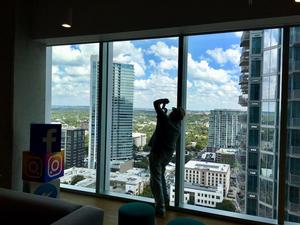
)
(202, 70)
(152, 88)
(126, 52)
(168, 56)
(229, 55)
(71, 73)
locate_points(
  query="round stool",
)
(185, 221)
(136, 213)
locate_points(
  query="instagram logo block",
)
(43, 167)
(32, 167)
(55, 165)
(45, 138)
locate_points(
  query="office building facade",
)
(72, 141)
(293, 138)
(208, 174)
(94, 70)
(223, 128)
(264, 47)
(121, 111)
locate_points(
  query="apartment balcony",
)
(243, 101)
(245, 39)
(244, 59)
(294, 207)
(245, 68)
(294, 150)
(243, 79)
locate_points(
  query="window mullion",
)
(283, 107)
(181, 102)
(103, 93)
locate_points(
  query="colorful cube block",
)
(49, 189)
(42, 167)
(45, 138)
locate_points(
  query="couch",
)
(25, 208)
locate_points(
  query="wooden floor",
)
(111, 207)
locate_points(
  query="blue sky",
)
(213, 71)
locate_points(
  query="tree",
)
(76, 179)
(147, 192)
(226, 205)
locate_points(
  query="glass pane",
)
(142, 72)
(74, 88)
(293, 140)
(255, 68)
(256, 45)
(246, 129)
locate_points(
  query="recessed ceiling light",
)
(67, 19)
(65, 25)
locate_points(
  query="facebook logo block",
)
(45, 138)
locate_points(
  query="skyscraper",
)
(72, 141)
(223, 128)
(94, 68)
(293, 139)
(121, 111)
(263, 65)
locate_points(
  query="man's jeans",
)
(157, 164)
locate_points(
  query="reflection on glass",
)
(267, 139)
(256, 45)
(292, 211)
(255, 68)
(266, 63)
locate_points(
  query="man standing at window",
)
(163, 143)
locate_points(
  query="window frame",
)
(102, 156)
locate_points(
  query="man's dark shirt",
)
(164, 138)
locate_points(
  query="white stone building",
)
(208, 174)
(139, 139)
(199, 195)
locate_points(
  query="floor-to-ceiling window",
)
(231, 126)
(141, 72)
(74, 105)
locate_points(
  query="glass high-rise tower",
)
(263, 74)
(293, 138)
(121, 111)
(94, 68)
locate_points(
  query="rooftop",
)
(215, 167)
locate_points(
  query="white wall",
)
(29, 91)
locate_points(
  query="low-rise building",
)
(208, 174)
(226, 155)
(139, 139)
(199, 195)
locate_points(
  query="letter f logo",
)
(49, 139)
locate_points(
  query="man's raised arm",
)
(158, 102)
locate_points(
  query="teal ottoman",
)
(136, 213)
(185, 221)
